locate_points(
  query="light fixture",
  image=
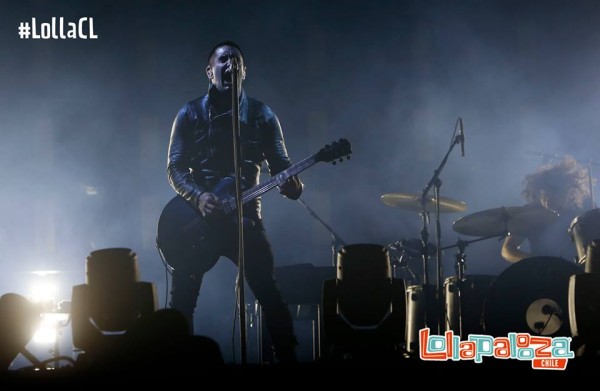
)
(110, 302)
(19, 318)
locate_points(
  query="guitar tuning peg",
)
(334, 162)
(341, 160)
(348, 157)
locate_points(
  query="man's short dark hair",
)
(225, 43)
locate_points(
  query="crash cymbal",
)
(412, 202)
(510, 219)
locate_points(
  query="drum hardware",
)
(420, 305)
(337, 244)
(537, 290)
(336, 241)
(584, 314)
(455, 286)
(592, 260)
(424, 203)
(402, 263)
(545, 316)
(465, 303)
(584, 231)
(405, 255)
(584, 298)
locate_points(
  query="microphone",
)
(462, 137)
(235, 66)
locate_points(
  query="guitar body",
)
(183, 234)
(181, 231)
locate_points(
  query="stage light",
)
(19, 318)
(110, 302)
(50, 326)
(44, 293)
(364, 308)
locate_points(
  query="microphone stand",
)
(237, 162)
(336, 240)
(436, 183)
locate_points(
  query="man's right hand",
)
(208, 204)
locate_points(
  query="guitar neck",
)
(278, 179)
(229, 204)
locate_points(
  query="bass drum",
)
(530, 296)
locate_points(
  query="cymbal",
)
(412, 202)
(498, 221)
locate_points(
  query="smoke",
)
(85, 124)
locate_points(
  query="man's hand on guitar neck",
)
(208, 204)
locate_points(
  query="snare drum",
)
(464, 303)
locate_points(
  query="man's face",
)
(552, 200)
(220, 67)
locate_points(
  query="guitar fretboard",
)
(278, 179)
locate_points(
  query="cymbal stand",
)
(462, 244)
(461, 258)
(425, 244)
(436, 183)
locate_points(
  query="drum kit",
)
(529, 296)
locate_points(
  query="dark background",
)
(85, 124)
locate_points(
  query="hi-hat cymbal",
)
(412, 202)
(498, 221)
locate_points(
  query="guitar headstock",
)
(335, 151)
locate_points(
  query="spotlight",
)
(19, 318)
(364, 308)
(110, 302)
(51, 324)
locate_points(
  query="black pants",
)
(258, 258)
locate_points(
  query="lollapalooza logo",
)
(543, 352)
